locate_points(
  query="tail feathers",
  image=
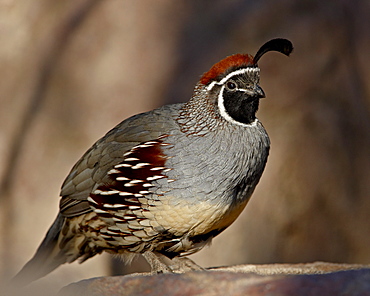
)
(47, 258)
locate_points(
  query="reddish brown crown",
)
(283, 46)
(236, 60)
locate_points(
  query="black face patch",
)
(240, 106)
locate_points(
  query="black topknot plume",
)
(279, 44)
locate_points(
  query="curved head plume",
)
(245, 60)
(279, 44)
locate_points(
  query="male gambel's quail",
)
(165, 182)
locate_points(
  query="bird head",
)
(234, 81)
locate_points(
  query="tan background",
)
(71, 70)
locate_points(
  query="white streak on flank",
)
(91, 200)
(157, 168)
(98, 211)
(123, 165)
(110, 192)
(140, 165)
(156, 177)
(136, 181)
(227, 77)
(127, 153)
(122, 193)
(114, 206)
(143, 146)
(114, 171)
(170, 180)
(131, 159)
(147, 185)
(122, 179)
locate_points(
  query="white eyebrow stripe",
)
(237, 72)
(248, 91)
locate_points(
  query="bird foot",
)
(156, 262)
(160, 263)
(184, 264)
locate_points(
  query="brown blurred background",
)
(71, 70)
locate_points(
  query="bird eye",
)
(231, 85)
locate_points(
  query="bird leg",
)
(183, 264)
(156, 263)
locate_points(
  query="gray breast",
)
(224, 165)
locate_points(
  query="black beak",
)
(259, 92)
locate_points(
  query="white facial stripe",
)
(248, 91)
(224, 113)
(237, 72)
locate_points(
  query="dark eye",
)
(231, 85)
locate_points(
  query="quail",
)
(165, 182)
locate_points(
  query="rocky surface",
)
(275, 279)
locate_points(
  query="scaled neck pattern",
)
(199, 115)
(202, 114)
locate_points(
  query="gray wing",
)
(91, 170)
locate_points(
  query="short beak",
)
(259, 92)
